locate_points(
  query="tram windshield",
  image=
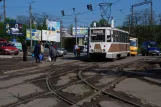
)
(98, 35)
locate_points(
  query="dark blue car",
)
(150, 48)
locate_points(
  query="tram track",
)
(32, 70)
(102, 90)
(144, 70)
(44, 93)
(43, 77)
(54, 91)
(57, 93)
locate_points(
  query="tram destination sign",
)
(98, 31)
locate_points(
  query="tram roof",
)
(110, 28)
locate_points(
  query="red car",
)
(3, 40)
(6, 48)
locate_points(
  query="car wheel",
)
(143, 54)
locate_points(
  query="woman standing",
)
(52, 53)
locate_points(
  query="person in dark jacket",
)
(53, 53)
(37, 52)
(24, 49)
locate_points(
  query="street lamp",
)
(30, 10)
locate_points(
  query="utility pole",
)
(61, 34)
(151, 9)
(4, 8)
(30, 10)
(132, 12)
(75, 24)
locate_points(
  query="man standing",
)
(24, 49)
(37, 52)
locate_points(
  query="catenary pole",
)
(30, 10)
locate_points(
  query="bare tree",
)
(159, 19)
(23, 19)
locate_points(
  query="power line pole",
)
(4, 8)
(132, 12)
(75, 24)
(61, 34)
(30, 10)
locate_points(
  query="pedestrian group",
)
(38, 52)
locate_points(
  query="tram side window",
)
(115, 36)
(127, 38)
(108, 38)
(119, 37)
(124, 37)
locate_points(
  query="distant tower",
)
(112, 23)
(94, 24)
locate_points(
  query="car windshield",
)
(60, 49)
(152, 44)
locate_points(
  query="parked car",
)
(150, 48)
(6, 48)
(3, 40)
(61, 51)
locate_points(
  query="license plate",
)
(12, 51)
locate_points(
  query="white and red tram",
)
(108, 42)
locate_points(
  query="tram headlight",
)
(92, 50)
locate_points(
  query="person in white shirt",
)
(75, 49)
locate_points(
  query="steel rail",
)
(35, 68)
(42, 94)
(59, 95)
(136, 74)
(105, 92)
(35, 80)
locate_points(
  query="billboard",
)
(36, 34)
(53, 31)
(48, 35)
(13, 29)
(81, 32)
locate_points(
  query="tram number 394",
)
(97, 50)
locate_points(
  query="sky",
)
(119, 9)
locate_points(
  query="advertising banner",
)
(36, 34)
(53, 31)
(13, 29)
(81, 32)
(48, 35)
